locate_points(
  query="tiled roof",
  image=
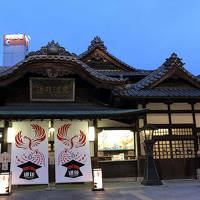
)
(165, 92)
(104, 72)
(63, 111)
(160, 72)
(3, 68)
(54, 58)
(98, 43)
(125, 73)
(54, 52)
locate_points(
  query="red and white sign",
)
(98, 183)
(29, 157)
(15, 39)
(72, 155)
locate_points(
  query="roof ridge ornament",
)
(97, 42)
(173, 59)
(51, 48)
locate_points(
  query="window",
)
(183, 149)
(161, 150)
(116, 145)
(169, 147)
(160, 132)
(182, 131)
(115, 140)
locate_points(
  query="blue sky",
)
(142, 33)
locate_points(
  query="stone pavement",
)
(170, 190)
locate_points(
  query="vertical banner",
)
(72, 154)
(29, 156)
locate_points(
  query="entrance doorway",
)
(51, 161)
(51, 152)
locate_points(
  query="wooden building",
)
(116, 99)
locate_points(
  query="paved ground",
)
(170, 190)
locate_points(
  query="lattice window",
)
(189, 148)
(160, 132)
(198, 143)
(162, 150)
(177, 149)
(198, 133)
(156, 151)
(183, 149)
(182, 131)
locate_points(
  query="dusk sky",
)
(142, 33)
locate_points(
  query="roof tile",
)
(165, 92)
(98, 43)
(160, 72)
(84, 67)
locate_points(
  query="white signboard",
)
(72, 155)
(5, 184)
(98, 183)
(29, 156)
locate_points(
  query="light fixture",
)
(91, 133)
(151, 176)
(51, 130)
(10, 133)
(147, 131)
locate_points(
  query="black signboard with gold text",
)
(52, 89)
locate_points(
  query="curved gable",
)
(171, 68)
(99, 58)
(54, 61)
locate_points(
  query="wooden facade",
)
(111, 95)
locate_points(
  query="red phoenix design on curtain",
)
(31, 152)
(72, 156)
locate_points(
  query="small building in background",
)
(15, 48)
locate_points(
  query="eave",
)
(21, 112)
(70, 63)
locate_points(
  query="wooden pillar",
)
(195, 140)
(4, 145)
(95, 159)
(169, 127)
(140, 158)
(169, 113)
